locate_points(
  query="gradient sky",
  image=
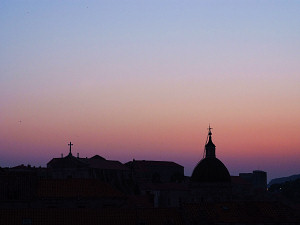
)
(143, 79)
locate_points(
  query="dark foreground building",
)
(237, 213)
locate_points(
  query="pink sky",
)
(143, 81)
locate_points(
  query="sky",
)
(144, 79)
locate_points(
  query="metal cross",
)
(70, 144)
(209, 128)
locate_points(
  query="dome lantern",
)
(210, 148)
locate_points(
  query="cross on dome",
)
(209, 130)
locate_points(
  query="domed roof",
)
(210, 169)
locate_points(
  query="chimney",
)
(62, 155)
(77, 155)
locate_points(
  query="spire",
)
(210, 148)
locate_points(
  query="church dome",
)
(210, 169)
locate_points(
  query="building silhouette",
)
(75, 190)
(210, 169)
(210, 180)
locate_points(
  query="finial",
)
(209, 130)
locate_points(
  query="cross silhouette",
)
(209, 129)
(70, 144)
